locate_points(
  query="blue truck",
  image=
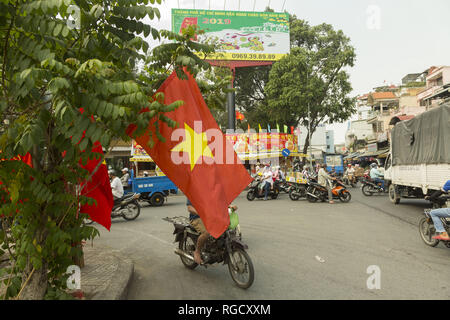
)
(154, 189)
(337, 161)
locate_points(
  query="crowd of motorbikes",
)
(306, 188)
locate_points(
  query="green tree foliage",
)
(313, 74)
(58, 56)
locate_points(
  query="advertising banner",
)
(139, 154)
(263, 145)
(241, 35)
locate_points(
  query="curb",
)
(106, 275)
(121, 280)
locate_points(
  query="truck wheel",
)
(393, 195)
(157, 200)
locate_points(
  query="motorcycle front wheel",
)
(345, 196)
(309, 197)
(132, 211)
(427, 232)
(293, 195)
(188, 245)
(251, 195)
(366, 190)
(242, 271)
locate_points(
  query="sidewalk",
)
(105, 276)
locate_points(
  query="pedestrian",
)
(125, 179)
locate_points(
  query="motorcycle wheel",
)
(188, 245)
(366, 190)
(311, 198)
(133, 209)
(293, 196)
(251, 195)
(274, 195)
(242, 272)
(427, 232)
(345, 196)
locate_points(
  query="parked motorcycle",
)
(126, 207)
(297, 191)
(428, 231)
(227, 249)
(285, 186)
(256, 191)
(316, 192)
(350, 180)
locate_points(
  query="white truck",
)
(419, 159)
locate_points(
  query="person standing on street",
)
(323, 178)
(125, 179)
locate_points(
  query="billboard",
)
(262, 145)
(241, 35)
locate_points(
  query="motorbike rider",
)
(267, 180)
(375, 175)
(436, 214)
(116, 185)
(323, 178)
(350, 173)
(198, 225)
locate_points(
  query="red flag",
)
(292, 129)
(209, 184)
(98, 188)
(239, 116)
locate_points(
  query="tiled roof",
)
(383, 95)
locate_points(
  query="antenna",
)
(283, 5)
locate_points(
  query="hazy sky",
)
(392, 37)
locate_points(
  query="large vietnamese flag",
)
(196, 156)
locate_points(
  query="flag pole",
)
(254, 4)
(283, 5)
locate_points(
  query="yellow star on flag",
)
(196, 144)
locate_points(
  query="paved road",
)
(286, 241)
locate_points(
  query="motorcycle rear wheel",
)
(366, 190)
(251, 195)
(133, 211)
(427, 231)
(243, 272)
(188, 245)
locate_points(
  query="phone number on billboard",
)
(250, 56)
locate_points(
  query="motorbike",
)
(297, 191)
(350, 180)
(255, 190)
(285, 186)
(126, 207)
(369, 187)
(428, 231)
(316, 192)
(227, 249)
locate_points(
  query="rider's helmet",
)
(373, 165)
(349, 165)
(111, 172)
(125, 170)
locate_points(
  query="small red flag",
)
(196, 156)
(98, 188)
(239, 116)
